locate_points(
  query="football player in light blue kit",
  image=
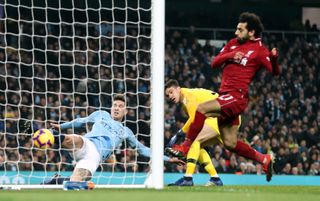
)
(107, 133)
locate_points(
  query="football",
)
(43, 138)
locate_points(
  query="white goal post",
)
(64, 59)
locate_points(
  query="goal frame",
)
(155, 176)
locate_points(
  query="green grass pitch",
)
(226, 193)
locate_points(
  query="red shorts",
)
(232, 105)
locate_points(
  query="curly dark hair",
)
(253, 22)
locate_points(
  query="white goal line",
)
(21, 187)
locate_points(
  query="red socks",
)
(196, 126)
(194, 130)
(185, 146)
(243, 149)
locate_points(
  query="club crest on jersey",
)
(244, 60)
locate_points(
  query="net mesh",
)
(64, 59)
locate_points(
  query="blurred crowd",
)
(46, 78)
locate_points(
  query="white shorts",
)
(88, 156)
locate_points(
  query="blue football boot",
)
(184, 181)
(78, 185)
(56, 179)
(214, 181)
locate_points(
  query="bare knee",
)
(68, 142)
(229, 135)
(230, 139)
(72, 141)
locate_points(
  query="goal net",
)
(64, 59)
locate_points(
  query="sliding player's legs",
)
(86, 155)
(78, 146)
(88, 159)
(72, 141)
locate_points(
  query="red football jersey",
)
(237, 76)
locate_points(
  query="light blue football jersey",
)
(107, 134)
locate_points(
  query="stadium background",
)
(283, 113)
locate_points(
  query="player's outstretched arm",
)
(146, 151)
(224, 56)
(176, 138)
(76, 123)
(274, 54)
(55, 126)
(269, 60)
(220, 59)
(80, 122)
(176, 161)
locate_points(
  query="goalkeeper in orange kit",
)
(191, 98)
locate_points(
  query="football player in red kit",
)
(240, 59)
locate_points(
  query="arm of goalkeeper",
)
(176, 138)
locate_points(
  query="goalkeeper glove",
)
(177, 138)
